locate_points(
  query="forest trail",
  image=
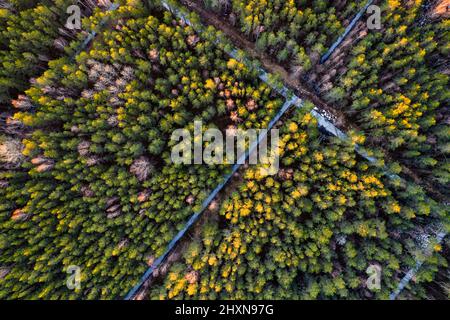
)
(301, 89)
(211, 212)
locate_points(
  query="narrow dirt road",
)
(301, 89)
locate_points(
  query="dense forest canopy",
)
(86, 177)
